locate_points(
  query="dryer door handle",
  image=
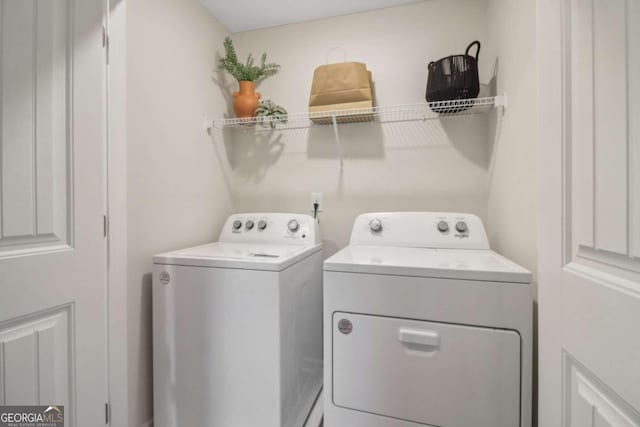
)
(419, 337)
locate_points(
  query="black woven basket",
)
(454, 78)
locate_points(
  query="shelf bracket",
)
(501, 101)
(336, 133)
(208, 125)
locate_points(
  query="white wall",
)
(176, 194)
(417, 166)
(512, 195)
(513, 183)
(180, 191)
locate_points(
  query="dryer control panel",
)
(420, 229)
(275, 228)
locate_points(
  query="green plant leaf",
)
(247, 71)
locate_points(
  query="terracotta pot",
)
(246, 100)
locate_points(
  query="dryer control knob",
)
(237, 224)
(262, 224)
(461, 226)
(249, 224)
(443, 226)
(375, 225)
(293, 225)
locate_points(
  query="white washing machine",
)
(237, 326)
(424, 325)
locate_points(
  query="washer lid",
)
(463, 264)
(250, 256)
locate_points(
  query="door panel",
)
(600, 189)
(592, 404)
(35, 358)
(589, 290)
(53, 251)
(602, 289)
(609, 104)
(35, 77)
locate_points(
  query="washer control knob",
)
(443, 226)
(375, 225)
(293, 225)
(237, 224)
(461, 226)
(262, 224)
(249, 224)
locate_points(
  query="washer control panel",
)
(293, 225)
(461, 227)
(375, 225)
(271, 228)
(420, 229)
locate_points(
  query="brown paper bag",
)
(341, 86)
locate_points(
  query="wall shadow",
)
(144, 364)
(534, 383)
(468, 135)
(496, 116)
(226, 85)
(252, 153)
(357, 141)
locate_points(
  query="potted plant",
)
(246, 99)
(270, 114)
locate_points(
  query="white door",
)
(52, 200)
(589, 270)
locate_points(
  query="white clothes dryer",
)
(424, 325)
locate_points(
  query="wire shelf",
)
(395, 113)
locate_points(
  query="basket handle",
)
(466, 52)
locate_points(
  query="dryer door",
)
(431, 373)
